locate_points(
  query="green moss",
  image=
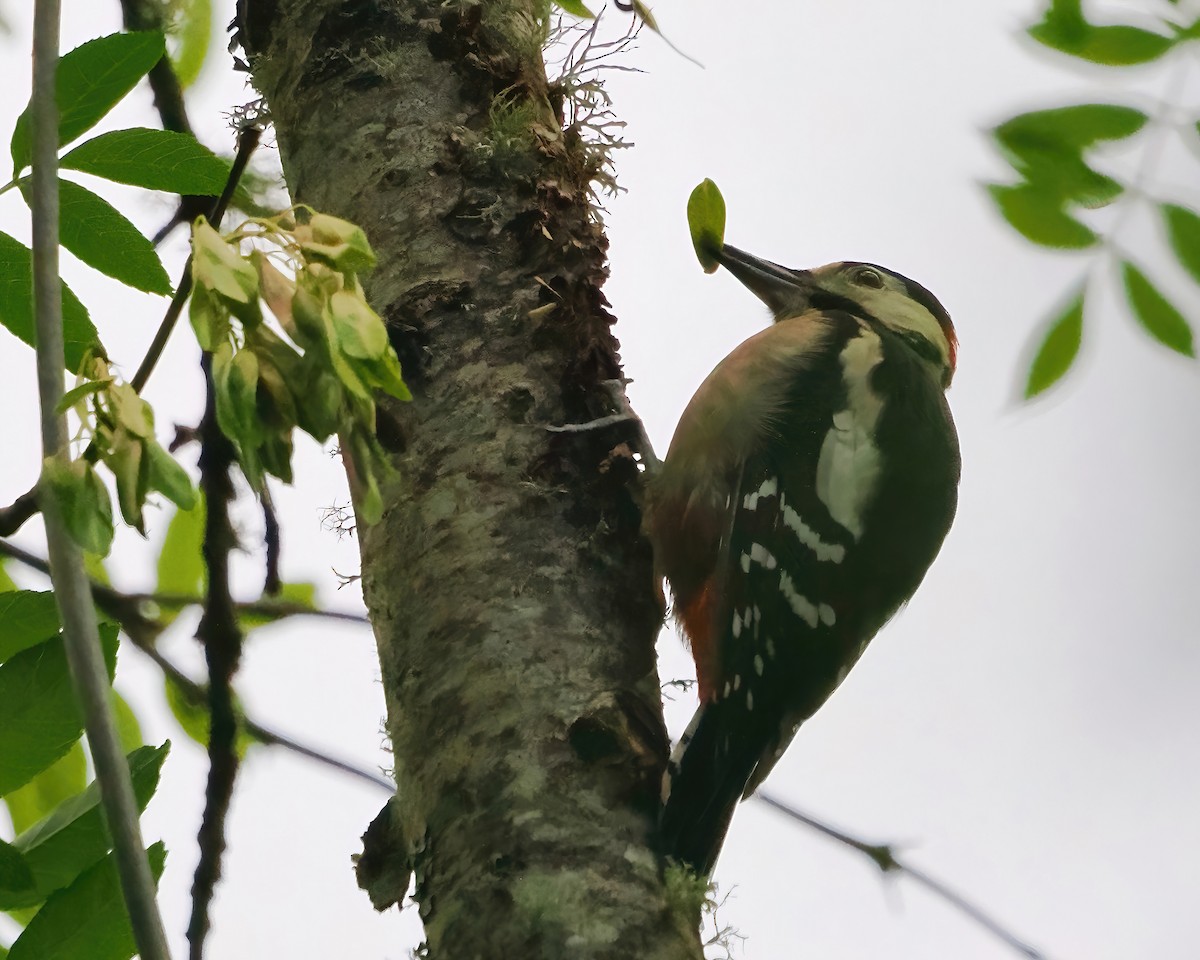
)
(562, 905)
(687, 893)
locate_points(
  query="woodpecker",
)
(807, 489)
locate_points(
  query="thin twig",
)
(177, 601)
(128, 610)
(80, 635)
(13, 517)
(271, 538)
(222, 639)
(884, 857)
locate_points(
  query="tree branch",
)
(884, 857)
(222, 639)
(80, 635)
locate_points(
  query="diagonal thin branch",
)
(177, 601)
(884, 857)
(80, 635)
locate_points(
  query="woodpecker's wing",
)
(692, 503)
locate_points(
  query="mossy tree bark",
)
(507, 584)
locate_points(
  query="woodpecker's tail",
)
(704, 781)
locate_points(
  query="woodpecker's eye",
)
(866, 277)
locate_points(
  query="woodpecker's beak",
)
(780, 288)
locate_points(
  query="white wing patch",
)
(848, 467)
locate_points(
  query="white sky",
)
(1027, 727)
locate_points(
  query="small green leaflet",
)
(1064, 29)
(575, 8)
(1060, 341)
(1183, 230)
(191, 34)
(103, 238)
(91, 80)
(154, 159)
(180, 566)
(706, 222)
(27, 618)
(16, 304)
(39, 719)
(62, 779)
(87, 920)
(1038, 216)
(1154, 312)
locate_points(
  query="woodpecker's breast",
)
(849, 465)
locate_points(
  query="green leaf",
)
(1183, 230)
(91, 79)
(16, 879)
(83, 500)
(87, 920)
(27, 618)
(62, 779)
(1114, 46)
(193, 716)
(219, 267)
(16, 305)
(129, 728)
(576, 9)
(73, 837)
(1059, 345)
(81, 392)
(341, 244)
(706, 221)
(1080, 126)
(1154, 312)
(92, 229)
(39, 719)
(192, 33)
(153, 159)
(360, 331)
(180, 564)
(167, 477)
(1046, 148)
(1038, 215)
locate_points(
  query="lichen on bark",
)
(507, 583)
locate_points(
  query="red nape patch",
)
(696, 619)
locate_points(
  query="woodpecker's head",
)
(900, 304)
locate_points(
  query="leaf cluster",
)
(57, 874)
(1054, 154)
(318, 367)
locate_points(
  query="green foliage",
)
(120, 425)
(16, 304)
(87, 920)
(27, 617)
(1055, 153)
(154, 159)
(191, 712)
(39, 719)
(190, 33)
(92, 229)
(575, 8)
(1057, 349)
(62, 779)
(63, 844)
(92, 79)
(706, 222)
(1155, 312)
(180, 564)
(316, 365)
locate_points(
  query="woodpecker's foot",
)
(624, 414)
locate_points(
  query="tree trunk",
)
(508, 587)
